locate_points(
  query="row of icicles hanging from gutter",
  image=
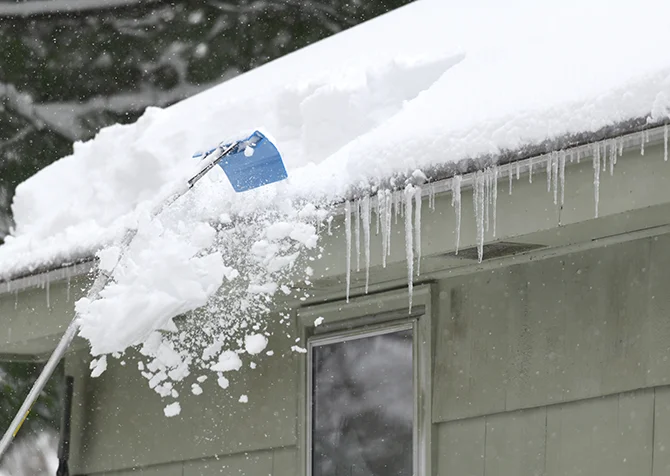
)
(389, 207)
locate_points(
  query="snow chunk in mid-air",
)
(228, 360)
(161, 277)
(172, 409)
(98, 366)
(255, 344)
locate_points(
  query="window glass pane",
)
(363, 406)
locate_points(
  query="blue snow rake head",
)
(251, 163)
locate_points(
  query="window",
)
(362, 391)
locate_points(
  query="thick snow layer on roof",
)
(431, 83)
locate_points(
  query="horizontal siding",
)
(618, 435)
(279, 462)
(564, 329)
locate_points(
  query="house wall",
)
(554, 367)
(557, 367)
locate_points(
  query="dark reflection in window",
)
(363, 406)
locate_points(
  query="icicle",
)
(561, 172)
(596, 175)
(67, 288)
(620, 146)
(603, 156)
(579, 151)
(530, 170)
(48, 287)
(16, 299)
(389, 203)
(554, 173)
(431, 197)
(615, 146)
(475, 204)
(330, 222)
(417, 228)
(642, 144)
(494, 201)
(487, 197)
(549, 169)
(347, 231)
(509, 170)
(365, 215)
(357, 230)
(665, 143)
(518, 170)
(396, 201)
(409, 248)
(612, 156)
(383, 204)
(378, 215)
(456, 203)
(478, 196)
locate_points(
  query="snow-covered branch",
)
(50, 7)
(65, 118)
(22, 105)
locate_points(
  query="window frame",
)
(363, 317)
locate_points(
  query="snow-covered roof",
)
(425, 86)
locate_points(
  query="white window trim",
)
(364, 317)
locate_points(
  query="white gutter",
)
(46, 277)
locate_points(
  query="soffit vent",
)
(496, 250)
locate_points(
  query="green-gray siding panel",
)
(563, 329)
(661, 462)
(515, 443)
(607, 436)
(285, 462)
(460, 447)
(251, 464)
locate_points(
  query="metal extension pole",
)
(99, 284)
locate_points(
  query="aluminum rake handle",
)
(94, 293)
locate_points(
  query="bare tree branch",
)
(20, 135)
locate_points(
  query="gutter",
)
(44, 278)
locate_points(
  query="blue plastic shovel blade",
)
(253, 163)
